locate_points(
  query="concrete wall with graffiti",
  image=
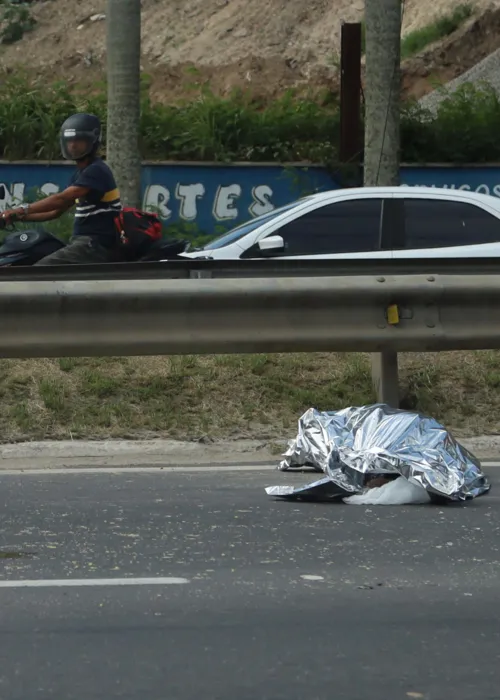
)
(216, 196)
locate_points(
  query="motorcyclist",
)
(94, 191)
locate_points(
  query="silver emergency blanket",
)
(352, 445)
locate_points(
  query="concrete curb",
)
(151, 453)
(135, 453)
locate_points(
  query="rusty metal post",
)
(350, 94)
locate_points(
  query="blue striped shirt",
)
(96, 212)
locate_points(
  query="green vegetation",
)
(417, 40)
(206, 129)
(231, 395)
(464, 130)
(15, 20)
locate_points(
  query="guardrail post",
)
(385, 377)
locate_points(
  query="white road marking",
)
(312, 577)
(67, 582)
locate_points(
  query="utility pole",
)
(382, 138)
(123, 19)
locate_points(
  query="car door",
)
(343, 228)
(437, 227)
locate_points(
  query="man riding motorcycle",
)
(94, 191)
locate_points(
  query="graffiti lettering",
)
(156, 199)
(220, 196)
(493, 190)
(224, 208)
(262, 204)
(49, 188)
(16, 193)
(13, 196)
(188, 196)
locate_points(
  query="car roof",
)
(445, 191)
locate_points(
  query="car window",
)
(242, 230)
(432, 223)
(342, 227)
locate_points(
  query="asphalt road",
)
(279, 601)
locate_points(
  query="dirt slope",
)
(266, 45)
(455, 55)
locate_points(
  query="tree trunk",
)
(382, 139)
(123, 19)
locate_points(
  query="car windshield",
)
(240, 231)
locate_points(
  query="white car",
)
(368, 222)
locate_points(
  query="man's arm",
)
(55, 205)
(49, 216)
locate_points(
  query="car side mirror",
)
(271, 244)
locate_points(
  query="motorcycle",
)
(27, 247)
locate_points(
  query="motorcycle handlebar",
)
(7, 223)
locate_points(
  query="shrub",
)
(463, 130)
(16, 19)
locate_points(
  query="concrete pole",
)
(123, 19)
(382, 138)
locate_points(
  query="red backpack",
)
(138, 230)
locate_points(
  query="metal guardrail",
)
(198, 307)
(150, 317)
(189, 269)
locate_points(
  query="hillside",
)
(266, 45)
(485, 71)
